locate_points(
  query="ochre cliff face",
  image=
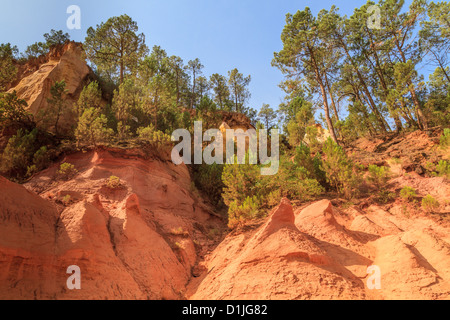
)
(62, 63)
(141, 241)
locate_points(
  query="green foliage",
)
(239, 215)
(297, 127)
(158, 139)
(67, 170)
(12, 110)
(349, 129)
(206, 107)
(267, 116)
(52, 39)
(178, 245)
(241, 181)
(438, 100)
(31, 170)
(240, 94)
(92, 128)
(18, 153)
(444, 140)
(90, 97)
(312, 139)
(208, 179)
(218, 83)
(385, 196)
(41, 159)
(113, 182)
(66, 200)
(340, 171)
(115, 47)
(195, 68)
(55, 38)
(443, 168)
(378, 176)
(408, 193)
(308, 166)
(123, 131)
(35, 50)
(129, 108)
(430, 204)
(244, 181)
(8, 70)
(179, 232)
(50, 118)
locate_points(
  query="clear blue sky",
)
(223, 34)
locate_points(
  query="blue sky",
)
(223, 34)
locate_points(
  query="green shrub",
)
(13, 110)
(66, 200)
(274, 198)
(92, 128)
(385, 196)
(67, 170)
(113, 182)
(309, 189)
(18, 153)
(378, 176)
(123, 131)
(444, 141)
(242, 182)
(312, 138)
(31, 170)
(41, 158)
(443, 168)
(408, 193)
(179, 246)
(158, 139)
(238, 215)
(430, 204)
(309, 166)
(208, 179)
(340, 171)
(179, 232)
(146, 133)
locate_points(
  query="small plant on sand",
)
(179, 246)
(113, 182)
(430, 204)
(395, 161)
(67, 170)
(179, 232)
(408, 193)
(66, 200)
